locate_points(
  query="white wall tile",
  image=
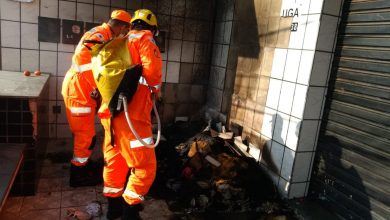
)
(174, 50)
(314, 100)
(10, 10)
(102, 2)
(11, 37)
(48, 62)
(303, 6)
(286, 97)
(224, 55)
(48, 46)
(292, 65)
(332, 7)
(118, 4)
(228, 32)
(254, 151)
(277, 155)
(64, 62)
(29, 60)
(164, 71)
(59, 97)
(273, 93)
(61, 118)
(298, 105)
(278, 63)
(30, 12)
(283, 187)
(52, 91)
(101, 14)
(84, 12)
(301, 167)
(10, 59)
(267, 128)
(316, 6)
(49, 8)
(327, 33)
(67, 10)
(216, 54)
(308, 135)
(29, 36)
(293, 133)
(297, 37)
(85, 1)
(288, 161)
(321, 67)
(311, 34)
(281, 127)
(187, 53)
(297, 190)
(305, 67)
(173, 70)
(66, 48)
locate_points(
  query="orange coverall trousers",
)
(120, 158)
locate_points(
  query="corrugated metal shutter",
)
(352, 167)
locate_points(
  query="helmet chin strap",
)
(123, 100)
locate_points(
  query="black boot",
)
(131, 212)
(85, 175)
(115, 207)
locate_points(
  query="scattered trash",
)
(93, 209)
(206, 176)
(78, 214)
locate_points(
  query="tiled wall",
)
(280, 83)
(186, 58)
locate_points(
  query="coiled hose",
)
(124, 101)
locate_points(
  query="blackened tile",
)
(14, 130)
(3, 117)
(15, 140)
(3, 139)
(151, 5)
(14, 105)
(27, 139)
(3, 105)
(3, 130)
(89, 25)
(29, 153)
(164, 7)
(27, 117)
(201, 74)
(177, 26)
(25, 105)
(27, 130)
(49, 29)
(14, 117)
(178, 7)
(186, 73)
(189, 30)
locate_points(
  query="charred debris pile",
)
(203, 176)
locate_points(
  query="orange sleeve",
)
(95, 39)
(151, 61)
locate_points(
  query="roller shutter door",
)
(351, 173)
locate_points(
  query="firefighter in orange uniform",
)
(127, 153)
(82, 98)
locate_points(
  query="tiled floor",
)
(54, 196)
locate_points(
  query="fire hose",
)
(123, 100)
